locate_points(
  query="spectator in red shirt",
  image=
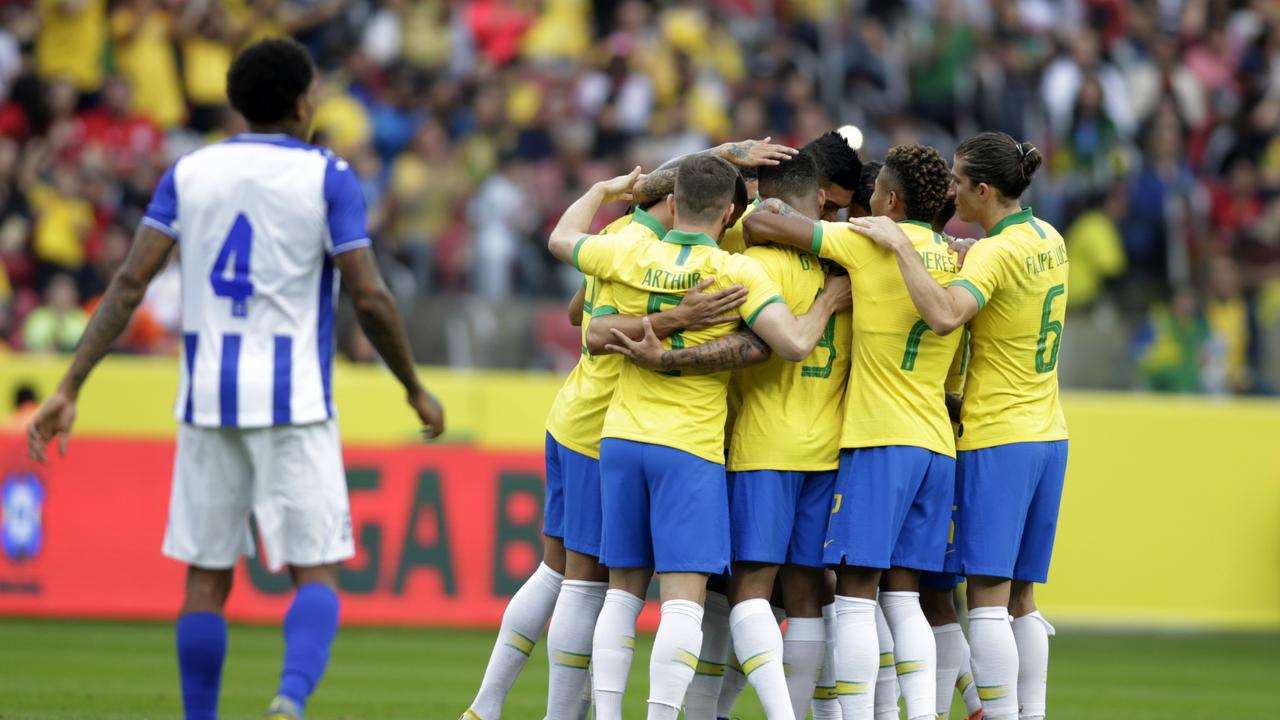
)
(127, 138)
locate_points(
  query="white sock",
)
(584, 701)
(704, 690)
(731, 688)
(758, 644)
(569, 645)
(825, 704)
(967, 687)
(1031, 633)
(803, 649)
(675, 657)
(953, 651)
(886, 702)
(995, 661)
(522, 623)
(612, 646)
(857, 656)
(915, 656)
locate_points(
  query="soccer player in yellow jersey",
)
(896, 479)
(1013, 452)
(661, 452)
(570, 573)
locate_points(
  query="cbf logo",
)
(21, 515)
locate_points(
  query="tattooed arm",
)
(731, 352)
(55, 417)
(746, 153)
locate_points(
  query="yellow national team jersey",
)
(790, 414)
(1018, 274)
(685, 412)
(733, 241)
(578, 411)
(895, 394)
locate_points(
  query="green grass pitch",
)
(108, 670)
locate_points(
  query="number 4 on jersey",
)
(235, 253)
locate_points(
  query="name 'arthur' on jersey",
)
(258, 220)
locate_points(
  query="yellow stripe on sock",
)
(629, 642)
(906, 667)
(824, 693)
(684, 657)
(754, 662)
(520, 642)
(844, 687)
(886, 660)
(993, 692)
(964, 681)
(571, 660)
(710, 668)
(734, 665)
(470, 715)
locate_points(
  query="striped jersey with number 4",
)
(790, 413)
(258, 220)
(685, 412)
(1018, 274)
(577, 414)
(895, 394)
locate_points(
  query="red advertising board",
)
(444, 535)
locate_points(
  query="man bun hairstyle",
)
(704, 188)
(796, 177)
(998, 160)
(837, 162)
(922, 176)
(267, 78)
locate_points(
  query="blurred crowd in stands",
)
(474, 123)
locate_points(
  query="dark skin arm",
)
(147, 255)
(731, 352)
(575, 306)
(784, 229)
(697, 310)
(380, 319)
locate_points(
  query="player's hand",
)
(960, 246)
(754, 153)
(838, 291)
(882, 230)
(621, 187)
(430, 413)
(648, 353)
(699, 309)
(54, 418)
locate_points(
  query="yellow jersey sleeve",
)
(600, 255)
(840, 243)
(761, 289)
(733, 241)
(985, 270)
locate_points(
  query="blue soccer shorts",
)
(553, 499)
(663, 508)
(950, 577)
(892, 508)
(580, 512)
(1009, 498)
(780, 516)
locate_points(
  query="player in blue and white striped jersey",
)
(265, 224)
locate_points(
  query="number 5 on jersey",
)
(234, 255)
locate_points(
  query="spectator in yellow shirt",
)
(57, 325)
(142, 35)
(63, 219)
(72, 36)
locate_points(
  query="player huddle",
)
(736, 427)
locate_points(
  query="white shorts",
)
(290, 476)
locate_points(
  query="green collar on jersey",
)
(649, 221)
(757, 201)
(1023, 215)
(921, 223)
(680, 237)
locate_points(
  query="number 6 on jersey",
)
(235, 252)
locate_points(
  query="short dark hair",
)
(792, 178)
(837, 162)
(267, 78)
(922, 175)
(25, 393)
(704, 187)
(867, 184)
(998, 160)
(749, 173)
(740, 198)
